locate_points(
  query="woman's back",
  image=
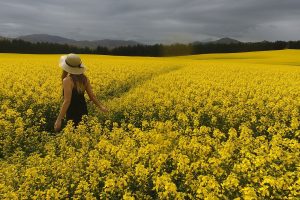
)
(77, 106)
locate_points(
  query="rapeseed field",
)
(215, 126)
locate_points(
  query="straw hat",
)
(72, 63)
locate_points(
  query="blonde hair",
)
(80, 80)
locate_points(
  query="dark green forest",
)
(156, 50)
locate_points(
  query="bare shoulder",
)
(68, 81)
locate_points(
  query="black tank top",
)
(77, 107)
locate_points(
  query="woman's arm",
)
(93, 97)
(67, 100)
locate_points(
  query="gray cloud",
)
(153, 21)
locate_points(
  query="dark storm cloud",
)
(153, 21)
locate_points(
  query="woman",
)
(75, 83)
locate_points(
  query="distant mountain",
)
(225, 40)
(207, 40)
(34, 38)
(110, 44)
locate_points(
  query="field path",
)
(133, 83)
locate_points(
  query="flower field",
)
(216, 126)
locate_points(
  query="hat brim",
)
(71, 70)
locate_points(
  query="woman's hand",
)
(57, 125)
(103, 109)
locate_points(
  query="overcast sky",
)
(153, 21)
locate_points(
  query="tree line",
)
(156, 50)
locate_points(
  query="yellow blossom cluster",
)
(217, 126)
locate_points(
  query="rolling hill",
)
(34, 38)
